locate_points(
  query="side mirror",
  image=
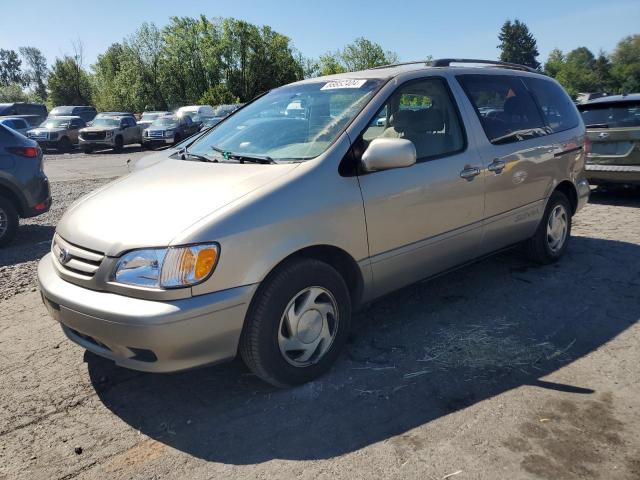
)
(387, 153)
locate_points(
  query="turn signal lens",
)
(185, 266)
(205, 262)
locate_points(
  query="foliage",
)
(218, 95)
(625, 65)
(12, 93)
(36, 75)
(69, 83)
(517, 44)
(10, 68)
(359, 55)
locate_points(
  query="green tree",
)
(517, 44)
(69, 83)
(625, 65)
(10, 68)
(555, 62)
(36, 74)
(363, 54)
(331, 63)
(12, 93)
(602, 73)
(218, 95)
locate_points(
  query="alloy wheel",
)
(557, 227)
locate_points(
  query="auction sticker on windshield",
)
(336, 84)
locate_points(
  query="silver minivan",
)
(262, 236)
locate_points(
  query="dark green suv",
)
(613, 129)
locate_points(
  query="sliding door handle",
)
(469, 173)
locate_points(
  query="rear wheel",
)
(552, 236)
(8, 221)
(297, 324)
(64, 145)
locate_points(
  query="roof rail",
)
(446, 62)
(391, 65)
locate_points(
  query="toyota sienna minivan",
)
(262, 236)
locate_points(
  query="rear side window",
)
(557, 107)
(504, 106)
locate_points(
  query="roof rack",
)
(446, 62)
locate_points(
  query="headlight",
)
(169, 133)
(108, 134)
(53, 135)
(171, 267)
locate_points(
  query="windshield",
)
(224, 110)
(295, 122)
(55, 123)
(106, 122)
(611, 115)
(165, 122)
(62, 111)
(150, 116)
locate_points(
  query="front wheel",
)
(64, 145)
(297, 323)
(552, 236)
(119, 143)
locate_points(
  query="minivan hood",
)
(151, 207)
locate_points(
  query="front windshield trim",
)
(374, 92)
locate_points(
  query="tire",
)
(118, 144)
(177, 139)
(283, 299)
(64, 145)
(87, 150)
(8, 221)
(548, 244)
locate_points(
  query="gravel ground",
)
(18, 262)
(499, 370)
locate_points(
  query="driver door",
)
(426, 218)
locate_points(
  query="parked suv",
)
(23, 109)
(86, 112)
(24, 188)
(148, 118)
(60, 133)
(264, 234)
(110, 132)
(168, 130)
(613, 128)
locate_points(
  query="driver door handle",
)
(469, 173)
(497, 166)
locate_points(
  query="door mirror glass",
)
(387, 153)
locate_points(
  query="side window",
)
(187, 120)
(421, 111)
(20, 123)
(559, 111)
(506, 109)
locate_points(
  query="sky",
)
(413, 29)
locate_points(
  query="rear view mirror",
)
(387, 153)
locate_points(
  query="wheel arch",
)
(339, 259)
(569, 190)
(11, 195)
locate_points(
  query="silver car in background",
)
(264, 234)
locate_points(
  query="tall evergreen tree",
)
(10, 68)
(517, 44)
(36, 75)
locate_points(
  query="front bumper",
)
(152, 336)
(102, 142)
(603, 174)
(157, 142)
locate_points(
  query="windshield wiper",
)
(242, 158)
(184, 153)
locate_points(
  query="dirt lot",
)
(499, 370)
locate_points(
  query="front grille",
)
(93, 135)
(156, 133)
(74, 259)
(38, 135)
